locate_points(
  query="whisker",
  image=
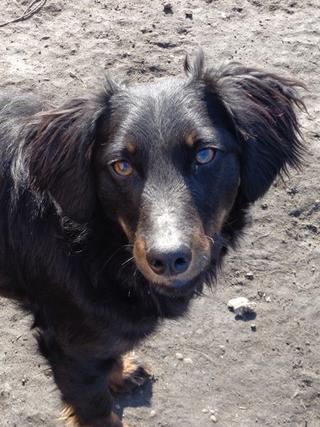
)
(126, 246)
(126, 262)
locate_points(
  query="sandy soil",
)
(267, 377)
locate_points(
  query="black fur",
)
(76, 237)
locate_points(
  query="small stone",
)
(24, 380)
(188, 360)
(267, 299)
(292, 191)
(189, 15)
(145, 30)
(224, 15)
(311, 227)
(212, 411)
(167, 8)
(6, 390)
(179, 356)
(253, 327)
(205, 411)
(235, 302)
(213, 418)
(222, 348)
(249, 275)
(295, 213)
(264, 206)
(153, 413)
(241, 307)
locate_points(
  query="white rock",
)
(241, 306)
(213, 418)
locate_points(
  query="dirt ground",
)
(226, 371)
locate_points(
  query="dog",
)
(117, 208)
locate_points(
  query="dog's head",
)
(166, 161)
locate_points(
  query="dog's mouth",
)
(177, 288)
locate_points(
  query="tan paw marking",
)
(128, 374)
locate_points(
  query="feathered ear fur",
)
(194, 67)
(261, 107)
(61, 142)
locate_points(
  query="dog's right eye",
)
(122, 168)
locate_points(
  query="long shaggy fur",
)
(75, 237)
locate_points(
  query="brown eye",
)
(123, 168)
(205, 155)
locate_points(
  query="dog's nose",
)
(169, 262)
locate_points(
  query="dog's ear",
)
(262, 110)
(194, 67)
(60, 143)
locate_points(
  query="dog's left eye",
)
(205, 156)
(122, 167)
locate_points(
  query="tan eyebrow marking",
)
(190, 138)
(125, 227)
(131, 147)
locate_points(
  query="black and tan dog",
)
(116, 209)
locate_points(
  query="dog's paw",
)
(128, 374)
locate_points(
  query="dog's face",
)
(167, 169)
(166, 161)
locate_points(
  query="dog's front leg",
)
(83, 382)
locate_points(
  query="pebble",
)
(188, 360)
(249, 275)
(213, 418)
(167, 8)
(222, 348)
(253, 327)
(6, 390)
(179, 356)
(153, 413)
(24, 380)
(241, 306)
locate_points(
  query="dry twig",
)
(31, 9)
